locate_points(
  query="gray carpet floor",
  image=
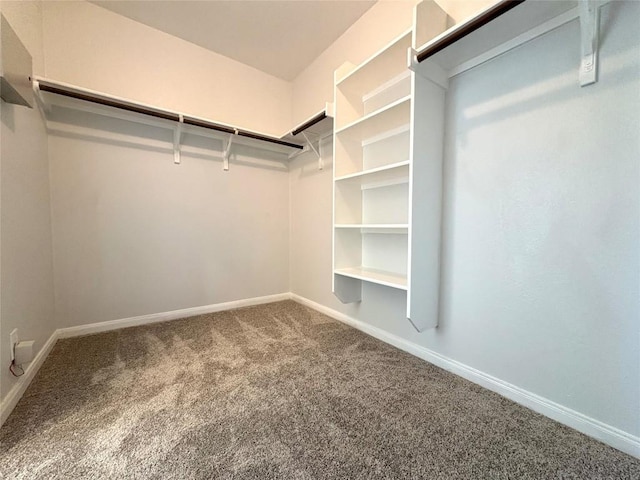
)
(276, 391)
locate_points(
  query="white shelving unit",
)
(387, 181)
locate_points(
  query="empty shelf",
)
(375, 227)
(394, 171)
(388, 279)
(394, 114)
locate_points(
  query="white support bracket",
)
(37, 93)
(427, 69)
(310, 144)
(310, 148)
(177, 138)
(227, 151)
(589, 32)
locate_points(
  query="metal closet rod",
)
(110, 102)
(317, 119)
(487, 17)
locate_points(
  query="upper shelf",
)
(379, 68)
(492, 27)
(50, 93)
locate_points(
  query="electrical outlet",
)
(13, 339)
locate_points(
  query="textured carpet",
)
(276, 391)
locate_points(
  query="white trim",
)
(165, 316)
(15, 394)
(589, 426)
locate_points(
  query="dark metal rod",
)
(269, 139)
(159, 114)
(108, 102)
(318, 118)
(487, 17)
(209, 125)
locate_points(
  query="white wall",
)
(385, 21)
(91, 47)
(25, 222)
(136, 234)
(541, 236)
(377, 27)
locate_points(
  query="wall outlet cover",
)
(24, 352)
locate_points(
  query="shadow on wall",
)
(79, 125)
(523, 206)
(529, 88)
(8, 115)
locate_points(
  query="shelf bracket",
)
(310, 144)
(297, 153)
(589, 26)
(427, 69)
(226, 152)
(177, 138)
(37, 93)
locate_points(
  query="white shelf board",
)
(404, 76)
(103, 104)
(522, 18)
(394, 171)
(398, 228)
(375, 71)
(388, 134)
(373, 124)
(379, 277)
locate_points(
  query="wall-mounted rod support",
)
(491, 14)
(310, 143)
(310, 123)
(37, 93)
(226, 153)
(177, 137)
(589, 26)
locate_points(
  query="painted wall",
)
(541, 235)
(382, 23)
(26, 299)
(89, 46)
(136, 234)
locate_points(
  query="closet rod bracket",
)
(310, 144)
(427, 69)
(37, 93)
(177, 139)
(589, 33)
(227, 151)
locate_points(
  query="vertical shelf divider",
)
(388, 147)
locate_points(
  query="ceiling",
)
(278, 37)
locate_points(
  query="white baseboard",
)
(98, 327)
(589, 426)
(15, 394)
(610, 435)
(11, 400)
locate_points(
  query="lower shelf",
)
(380, 277)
